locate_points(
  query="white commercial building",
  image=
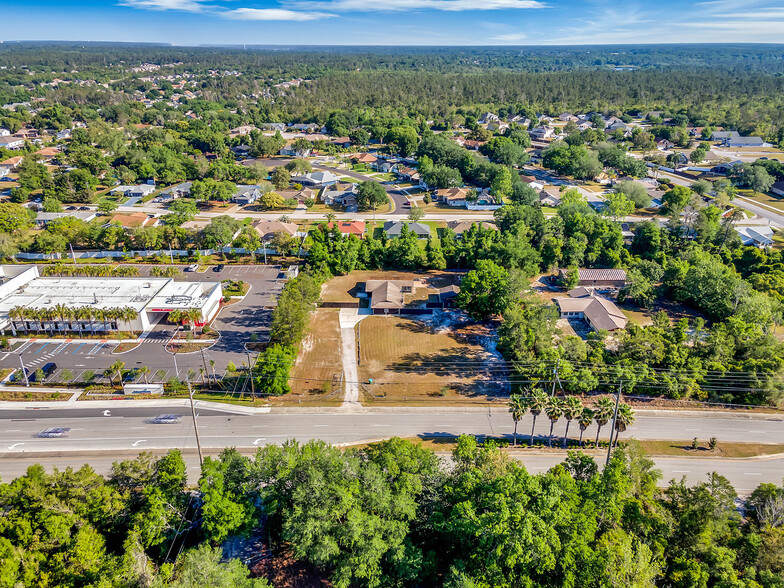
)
(94, 299)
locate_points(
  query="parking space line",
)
(94, 349)
(60, 347)
(25, 346)
(78, 347)
(42, 348)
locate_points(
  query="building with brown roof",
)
(365, 158)
(599, 312)
(461, 227)
(386, 296)
(47, 153)
(267, 229)
(612, 278)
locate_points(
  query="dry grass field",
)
(317, 364)
(417, 360)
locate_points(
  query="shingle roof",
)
(601, 274)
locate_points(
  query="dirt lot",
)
(344, 288)
(318, 363)
(444, 357)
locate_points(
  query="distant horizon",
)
(385, 46)
(420, 23)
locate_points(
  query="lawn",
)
(766, 200)
(318, 364)
(411, 360)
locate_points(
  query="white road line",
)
(321, 425)
(681, 471)
(751, 474)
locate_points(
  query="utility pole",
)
(614, 419)
(250, 375)
(204, 361)
(176, 369)
(195, 426)
(24, 371)
(555, 375)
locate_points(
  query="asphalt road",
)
(397, 195)
(775, 219)
(235, 323)
(123, 431)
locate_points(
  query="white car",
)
(192, 268)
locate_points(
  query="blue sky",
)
(396, 22)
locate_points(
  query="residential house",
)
(487, 117)
(725, 168)
(473, 145)
(241, 150)
(453, 196)
(342, 142)
(11, 142)
(305, 128)
(497, 126)
(44, 218)
(318, 178)
(584, 125)
(778, 188)
(611, 278)
(745, 142)
(182, 190)
(550, 196)
(760, 236)
(342, 194)
(386, 296)
(568, 117)
(722, 136)
(392, 229)
(47, 153)
(289, 151)
(275, 127)
(462, 227)
(11, 163)
(356, 228)
(267, 229)
(385, 165)
(365, 158)
(532, 181)
(541, 133)
(447, 296)
(599, 312)
(664, 144)
(242, 130)
(63, 135)
(245, 195)
(133, 220)
(4, 132)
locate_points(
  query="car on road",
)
(192, 268)
(84, 208)
(166, 419)
(218, 268)
(54, 432)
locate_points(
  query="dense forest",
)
(390, 514)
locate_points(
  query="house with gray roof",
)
(392, 229)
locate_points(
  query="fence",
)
(139, 253)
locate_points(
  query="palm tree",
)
(553, 408)
(193, 315)
(517, 406)
(584, 421)
(330, 217)
(602, 413)
(572, 408)
(536, 403)
(15, 313)
(623, 421)
(128, 315)
(144, 370)
(176, 317)
(116, 368)
(81, 314)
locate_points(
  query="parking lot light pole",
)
(250, 374)
(195, 426)
(176, 369)
(24, 371)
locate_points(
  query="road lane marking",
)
(259, 440)
(107, 413)
(681, 471)
(137, 428)
(136, 443)
(321, 425)
(751, 474)
(10, 447)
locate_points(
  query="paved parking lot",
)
(236, 323)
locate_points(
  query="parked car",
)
(192, 268)
(218, 268)
(54, 432)
(48, 370)
(166, 419)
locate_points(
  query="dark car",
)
(166, 419)
(54, 432)
(71, 208)
(218, 268)
(48, 370)
(84, 208)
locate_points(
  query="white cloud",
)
(187, 5)
(273, 14)
(404, 5)
(509, 37)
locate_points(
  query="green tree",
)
(371, 195)
(518, 407)
(15, 218)
(281, 178)
(484, 291)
